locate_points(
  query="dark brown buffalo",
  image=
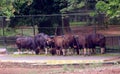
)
(80, 43)
(61, 43)
(41, 41)
(25, 43)
(94, 40)
(89, 42)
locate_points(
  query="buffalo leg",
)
(81, 51)
(58, 52)
(94, 51)
(102, 50)
(37, 51)
(32, 51)
(77, 50)
(63, 51)
(46, 51)
(84, 51)
(68, 51)
(89, 51)
(19, 51)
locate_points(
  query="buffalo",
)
(62, 43)
(94, 40)
(36, 43)
(41, 41)
(25, 43)
(59, 44)
(79, 43)
(89, 42)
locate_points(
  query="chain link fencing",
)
(55, 24)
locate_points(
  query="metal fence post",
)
(3, 34)
(33, 25)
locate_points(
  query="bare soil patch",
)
(112, 30)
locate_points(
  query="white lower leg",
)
(63, 50)
(58, 52)
(85, 51)
(46, 51)
(19, 51)
(102, 50)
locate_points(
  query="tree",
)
(35, 12)
(46, 7)
(73, 5)
(21, 5)
(20, 8)
(111, 8)
(6, 8)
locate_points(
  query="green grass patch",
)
(28, 31)
(11, 49)
(107, 54)
(26, 54)
(78, 23)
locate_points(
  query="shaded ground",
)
(24, 68)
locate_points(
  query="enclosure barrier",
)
(30, 25)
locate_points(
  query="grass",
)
(22, 55)
(107, 54)
(13, 32)
(77, 23)
(95, 65)
(11, 49)
(28, 31)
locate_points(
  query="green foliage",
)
(101, 6)
(114, 8)
(73, 5)
(20, 8)
(6, 8)
(37, 7)
(111, 8)
(92, 14)
(21, 5)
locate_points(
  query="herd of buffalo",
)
(61, 45)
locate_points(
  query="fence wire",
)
(30, 25)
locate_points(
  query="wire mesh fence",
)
(55, 24)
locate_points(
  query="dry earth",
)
(25, 68)
(110, 31)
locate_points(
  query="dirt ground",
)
(112, 30)
(25, 68)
